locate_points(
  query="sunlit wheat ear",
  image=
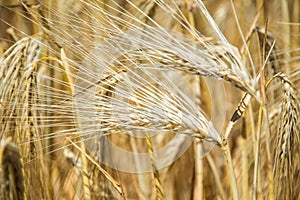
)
(159, 51)
(143, 47)
(19, 115)
(131, 75)
(287, 141)
(123, 83)
(141, 54)
(18, 94)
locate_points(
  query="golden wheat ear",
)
(287, 143)
(11, 171)
(20, 116)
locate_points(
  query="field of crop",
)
(150, 99)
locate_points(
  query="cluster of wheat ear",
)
(83, 83)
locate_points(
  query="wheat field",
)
(149, 99)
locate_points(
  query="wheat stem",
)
(107, 175)
(257, 150)
(199, 172)
(214, 170)
(230, 170)
(269, 158)
(84, 172)
(265, 116)
(245, 167)
(158, 186)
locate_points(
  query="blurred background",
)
(34, 166)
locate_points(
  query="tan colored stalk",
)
(199, 169)
(157, 182)
(257, 148)
(264, 103)
(286, 32)
(216, 176)
(230, 170)
(142, 180)
(116, 185)
(295, 41)
(226, 150)
(269, 158)
(84, 173)
(199, 163)
(245, 167)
